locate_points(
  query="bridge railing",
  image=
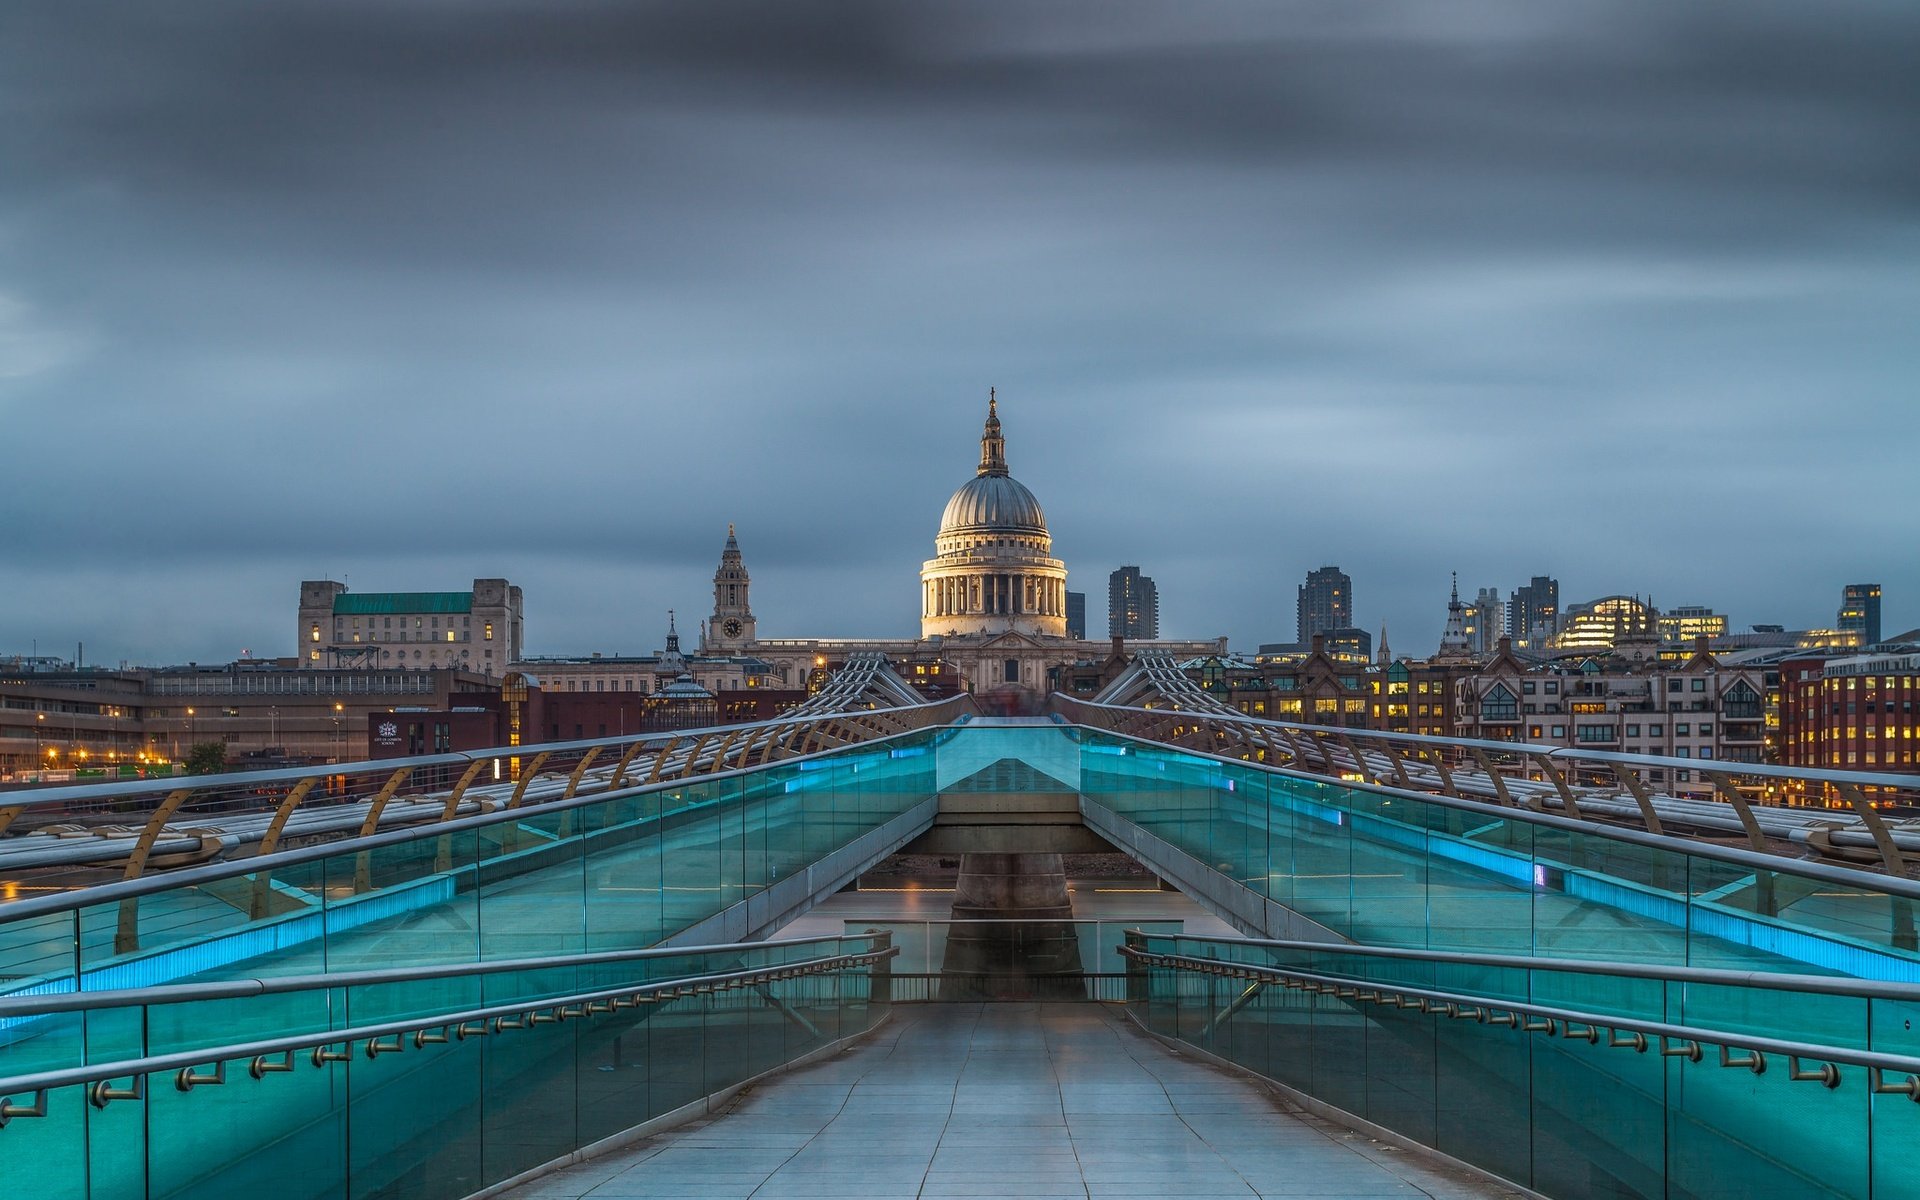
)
(614, 865)
(1575, 1079)
(127, 829)
(433, 1082)
(1863, 818)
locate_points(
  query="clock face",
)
(731, 627)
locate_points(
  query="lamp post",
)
(339, 743)
(273, 716)
(39, 723)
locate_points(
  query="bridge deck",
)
(1032, 1101)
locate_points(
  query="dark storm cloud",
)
(417, 291)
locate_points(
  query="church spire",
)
(1454, 645)
(993, 447)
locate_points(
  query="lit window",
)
(489, 634)
(314, 633)
(449, 635)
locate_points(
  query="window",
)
(1010, 670)
(489, 633)
(314, 633)
(1655, 730)
(1673, 685)
(1680, 730)
(1551, 687)
(1593, 733)
(1706, 729)
(449, 635)
(1526, 688)
(1699, 685)
(1633, 731)
(1559, 731)
(1499, 704)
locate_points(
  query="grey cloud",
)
(555, 290)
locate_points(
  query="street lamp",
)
(339, 743)
(39, 723)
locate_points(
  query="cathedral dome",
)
(993, 503)
(992, 571)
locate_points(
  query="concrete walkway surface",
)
(1008, 1100)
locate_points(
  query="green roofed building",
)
(475, 630)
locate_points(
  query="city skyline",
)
(247, 338)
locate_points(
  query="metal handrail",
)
(1568, 1023)
(29, 798)
(1751, 859)
(185, 1060)
(146, 884)
(1811, 774)
(1832, 985)
(231, 989)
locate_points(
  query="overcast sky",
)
(410, 291)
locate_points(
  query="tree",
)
(207, 758)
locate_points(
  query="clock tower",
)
(731, 627)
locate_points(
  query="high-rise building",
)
(1860, 611)
(1077, 615)
(1133, 605)
(1326, 603)
(1533, 614)
(1486, 621)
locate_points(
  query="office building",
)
(1860, 612)
(1133, 605)
(1077, 615)
(1326, 603)
(1533, 613)
(1852, 713)
(476, 630)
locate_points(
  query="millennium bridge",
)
(1426, 966)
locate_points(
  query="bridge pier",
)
(1022, 943)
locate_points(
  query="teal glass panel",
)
(1598, 1119)
(532, 888)
(676, 1048)
(1483, 1096)
(47, 1155)
(624, 882)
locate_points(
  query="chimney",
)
(1319, 643)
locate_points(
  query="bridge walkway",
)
(1017, 1100)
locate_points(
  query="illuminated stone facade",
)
(992, 571)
